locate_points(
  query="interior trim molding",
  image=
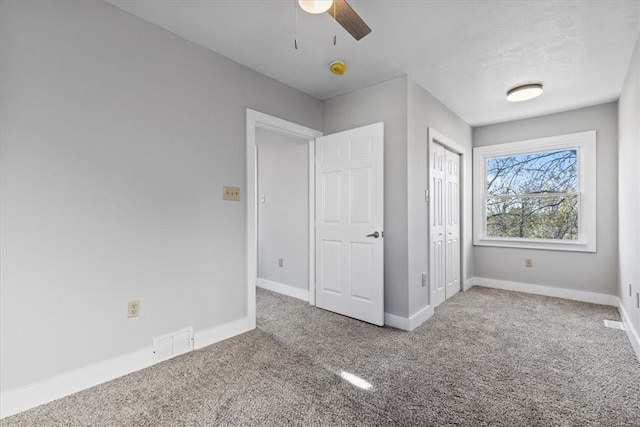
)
(32, 395)
(408, 323)
(220, 333)
(396, 321)
(41, 392)
(549, 291)
(255, 120)
(281, 288)
(634, 335)
(467, 284)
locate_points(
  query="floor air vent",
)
(613, 324)
(173, 344)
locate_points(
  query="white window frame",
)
(585, 145)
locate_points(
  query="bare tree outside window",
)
(533, 196)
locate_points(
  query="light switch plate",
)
(231, 193)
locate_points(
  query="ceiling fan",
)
(342, 12)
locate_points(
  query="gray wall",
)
(283, 218)
(426, 111)
(593, 272)
(385, 102)
(117, 138)
(406, 110)
(629, 187)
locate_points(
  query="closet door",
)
(437, 219)
(452, 223)
(444, 223)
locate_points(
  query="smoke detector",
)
(338, 67)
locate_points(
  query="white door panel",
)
(437, 224)
(452, 227)
(444, 218)
(349, 207)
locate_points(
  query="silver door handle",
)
(375, 234)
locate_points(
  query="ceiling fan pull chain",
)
(335, 24)
(295, 39)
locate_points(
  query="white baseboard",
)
(396, 321)
(222, 332)
(32, 395)
(550, 291)
(283, 289)
(634, 335)
(408, 323)
(467, 284)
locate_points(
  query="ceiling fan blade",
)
(349, 19)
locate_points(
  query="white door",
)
(452, 223)
(437, 223)
(444, 223)
(349, 221)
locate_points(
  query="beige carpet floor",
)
(486, 358)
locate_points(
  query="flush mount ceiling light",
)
(524, 92)
(315, 6)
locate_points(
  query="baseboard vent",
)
(173, 344)
(614, 324)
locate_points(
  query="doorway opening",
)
(283, 213)
(263, 125)
(345, 202)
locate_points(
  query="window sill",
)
(549, 245)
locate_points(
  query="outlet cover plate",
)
(133, 309)
(231, 193)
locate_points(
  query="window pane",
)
(533, 173)
(547, 217)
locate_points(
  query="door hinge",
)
(426, 196)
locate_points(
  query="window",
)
(537, 194)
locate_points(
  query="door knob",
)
(375, 234)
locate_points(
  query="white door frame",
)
(256, 119)
(436, 137)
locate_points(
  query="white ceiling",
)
(466, 53)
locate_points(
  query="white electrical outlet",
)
(133, 309)
(280, 262)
